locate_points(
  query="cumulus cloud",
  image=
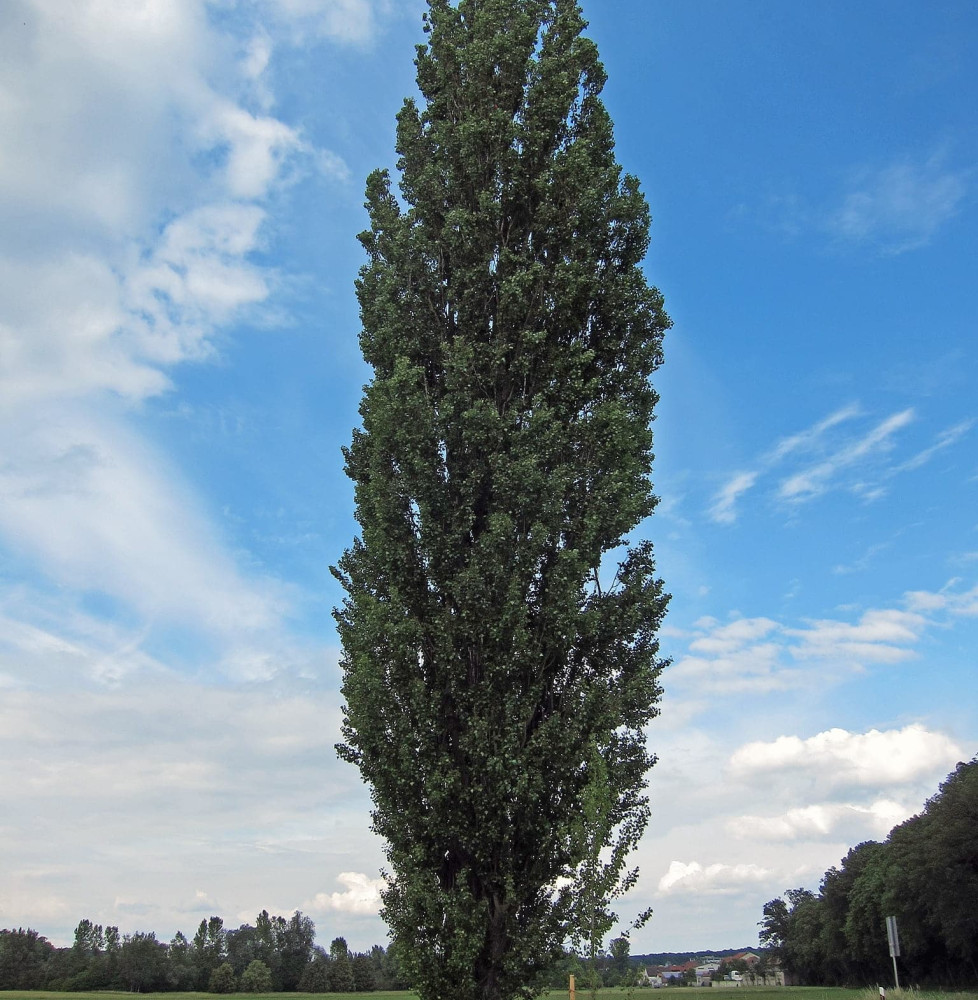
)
(829, 820)
(880, 636)
(361, 895)
(726, 639)
(763, 655)
(143, 153)
(713, 879)
(839, 757)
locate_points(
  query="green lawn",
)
(744, 993)
(767, 993)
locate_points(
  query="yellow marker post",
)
(572, 990)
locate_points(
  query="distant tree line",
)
(925, 874)
(275, 954)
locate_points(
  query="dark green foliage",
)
(925, 874)
(101, 960)
(208, 951)
(295, 948)
(182, 974)
(24, 958)
(315, 976)
(496, 667)
(364, 978)
(142, 963)
(256, 978)
(621, 971)
(340, 967)
(222, 979)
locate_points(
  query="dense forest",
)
(925, 874)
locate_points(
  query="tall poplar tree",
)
(499, 634)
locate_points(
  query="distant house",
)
(651, 976)
(750, 957)
(704, 971)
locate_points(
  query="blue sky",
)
(180, 190)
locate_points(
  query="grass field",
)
(744, 993)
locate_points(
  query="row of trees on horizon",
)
(275, 954)
(925, 874)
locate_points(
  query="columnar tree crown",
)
(499, 634)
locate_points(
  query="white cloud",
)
(835, 820)
(345, 20)
(944, 440)
(361, 896)
(958, 603)
(729, 638)
(863, 562)
(724, 509)
(714, 879)
(133, 191)
(811, 437)
(839, 757)
(754, 668)
(880, 636)
(824, 460)
(816, 479)
(100, 510)
(763, 655)
(901, 206)
(177, 788)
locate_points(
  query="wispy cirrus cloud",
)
(826, 458)
(724, 507)
(808, 439)
(901, 205)
(945, 439)
(351, 21)
(890, 207)
(818, 478)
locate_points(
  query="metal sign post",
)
(894, 941)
